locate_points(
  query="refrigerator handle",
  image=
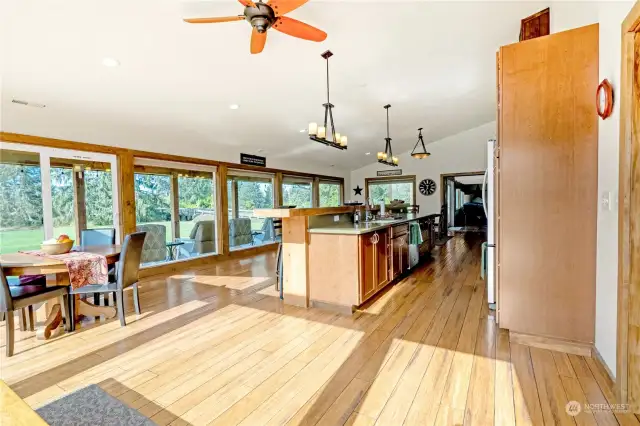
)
(484, 193)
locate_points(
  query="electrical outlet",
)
(336, 218)
(607, 201)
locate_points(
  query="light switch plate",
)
(336, 218)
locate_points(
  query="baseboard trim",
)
(340, 309)
(554, 344)
(602, 366)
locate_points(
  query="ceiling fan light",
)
(313, 129)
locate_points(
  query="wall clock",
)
(604, 99)
(427, 187)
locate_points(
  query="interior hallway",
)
(213, 346)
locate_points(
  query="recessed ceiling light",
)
(303, 130)
(110, 62)
(261, 150)
(234, 106)
(368, 153)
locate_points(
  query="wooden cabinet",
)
(374, 263)
(369, 268)
(547, 185)
(399, 251)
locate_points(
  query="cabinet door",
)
(404, 253)
(368, 263)
(382, 259)
(396, 258)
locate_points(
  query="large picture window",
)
(175, 206)
(330, 194)
(47, 192)
(391, 188)
(248, 191)
(297, 192)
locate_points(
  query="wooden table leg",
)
(90, 310)
(52, 325)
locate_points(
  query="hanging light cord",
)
(328, 101)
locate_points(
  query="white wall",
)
(464, 152)
(609, 14)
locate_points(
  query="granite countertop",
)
(363, 228)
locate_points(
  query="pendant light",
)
(387, 157)
(321, 133)
(422, 153)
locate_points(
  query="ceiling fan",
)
(263, 16)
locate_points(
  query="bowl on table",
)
(57, 248)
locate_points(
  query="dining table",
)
(17, 264)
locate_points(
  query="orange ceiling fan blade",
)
(257, 41)
(214, 20)
(299, 29)
(280, 7)
(247, 3)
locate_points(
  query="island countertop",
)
(364, 228)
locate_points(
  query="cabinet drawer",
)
(399, 230)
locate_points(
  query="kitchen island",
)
(330, 262)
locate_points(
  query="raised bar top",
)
(318, 211)
(366, 227)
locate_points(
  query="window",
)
(21, 221)
(46, 192)
(297, 192)
(389, 189)
(330, 194)
(175, 206)
(246, 192)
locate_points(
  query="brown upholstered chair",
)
(16, 298)
(128, 268)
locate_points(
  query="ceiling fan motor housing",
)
(260, 17)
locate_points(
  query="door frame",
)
(629, 208)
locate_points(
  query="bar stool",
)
(277, 235)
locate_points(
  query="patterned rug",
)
(91, 406)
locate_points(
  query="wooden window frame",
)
(391, 179)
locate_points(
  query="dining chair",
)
(128, 268)
(16, 298)
(100, 237)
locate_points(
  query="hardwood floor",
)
(215, 346)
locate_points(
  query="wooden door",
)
(382, 259)
(548, 185)
(369, 267)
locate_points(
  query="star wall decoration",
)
(357, 190)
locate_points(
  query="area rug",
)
(91, 406)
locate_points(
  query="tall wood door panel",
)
(368, 269)
(382, 259)
(548, 185)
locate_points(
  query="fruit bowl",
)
(57, 248)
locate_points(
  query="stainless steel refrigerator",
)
(488, 202)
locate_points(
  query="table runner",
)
(84, 268)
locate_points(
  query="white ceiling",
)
(433, 61)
